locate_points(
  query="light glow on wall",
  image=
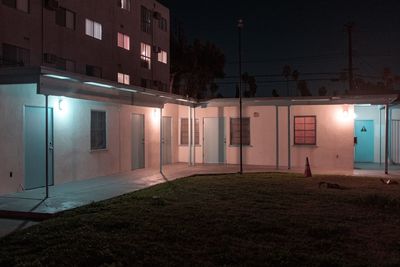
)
(156, 115)
(346, 114)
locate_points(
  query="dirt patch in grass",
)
(255, 219)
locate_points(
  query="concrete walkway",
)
(79, 193)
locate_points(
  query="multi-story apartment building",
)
(125, 41)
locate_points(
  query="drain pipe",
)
(194, 136)
(161, 141)
(387, 141)
(277, 136)
(189, 135)
(289, 151)
(47, 143)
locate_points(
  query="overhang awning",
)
(61, 83)
(386, 99)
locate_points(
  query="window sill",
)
(239, 146)
(298, 145)
(98, 150)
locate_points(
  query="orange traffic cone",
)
(307, 172)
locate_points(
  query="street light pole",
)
(240, 27)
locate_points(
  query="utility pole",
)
(240, 27)
(349, 27)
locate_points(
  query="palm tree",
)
(286, 72)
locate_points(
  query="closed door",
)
(138, 141)
(214, 140)
(35, 146)
(364, 149)
(166, 140)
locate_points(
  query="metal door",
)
(166, 140)
(138, 141)
(214, 140)
(364, 149)
(35, 145)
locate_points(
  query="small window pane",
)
(23, 5)
(98, 139)
(305, 130)
(97, 31)
(89, 27)
(120, 40)
(235, 131)
(70, 19)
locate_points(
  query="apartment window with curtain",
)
(98, 134)
(145, 55)
(123, 78)
(185, 131)
(93, 29)
(235, 131)
(305, 130)
(163, 57)
(124, 41)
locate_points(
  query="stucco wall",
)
(73, 159)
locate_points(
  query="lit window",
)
(123, 78)
(123, 41)
(125, 4)
(65, 18)
(235, 131)
(185, 132)
(163, 57)
(305, 128)
(145, 55)
(98, 138)
(93, 29)
(22, 5)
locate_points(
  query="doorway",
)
(214, 140)
(167, 140)
(35, 143)
(364, 148)
(138, 141)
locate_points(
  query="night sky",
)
(308, 35)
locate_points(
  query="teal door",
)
(138, 141)
(214, 140)
(364, 149)
(35, 145)
(167, 140)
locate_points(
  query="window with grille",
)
(145, 23)
(305, 130)
(145, 55)
(235, 131)
(123, 41)
(15, 56)
(98, 137)
(185, 131)
(162, 24)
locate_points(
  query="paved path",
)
(78, 193)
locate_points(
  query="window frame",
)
(125, 37)
(295, 129)
(196, 132)
(146, 19)
(162, 57)
(62, 21)
(126, 78)
(93, 31)
(145, 55)
(16, 5)
(94, 131)
(126, 6)
(232, 132)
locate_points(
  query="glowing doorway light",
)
(156, 114)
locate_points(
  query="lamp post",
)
(240, 27)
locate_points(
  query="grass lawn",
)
(254, 219)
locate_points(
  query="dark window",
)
(235, 131)
(98, 138)
(305, 130)
(162, 24)
(70, 65)
(65, 18)
(15, 56)
(93, 71)
(145, 20)
(22, 5)
(185, 132)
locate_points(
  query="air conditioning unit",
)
(51, 4)
(156, 49)
(156, 15)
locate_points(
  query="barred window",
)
(145, 19)
(305, 130)
(98, 138)
(185, 131)
(235, 131)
